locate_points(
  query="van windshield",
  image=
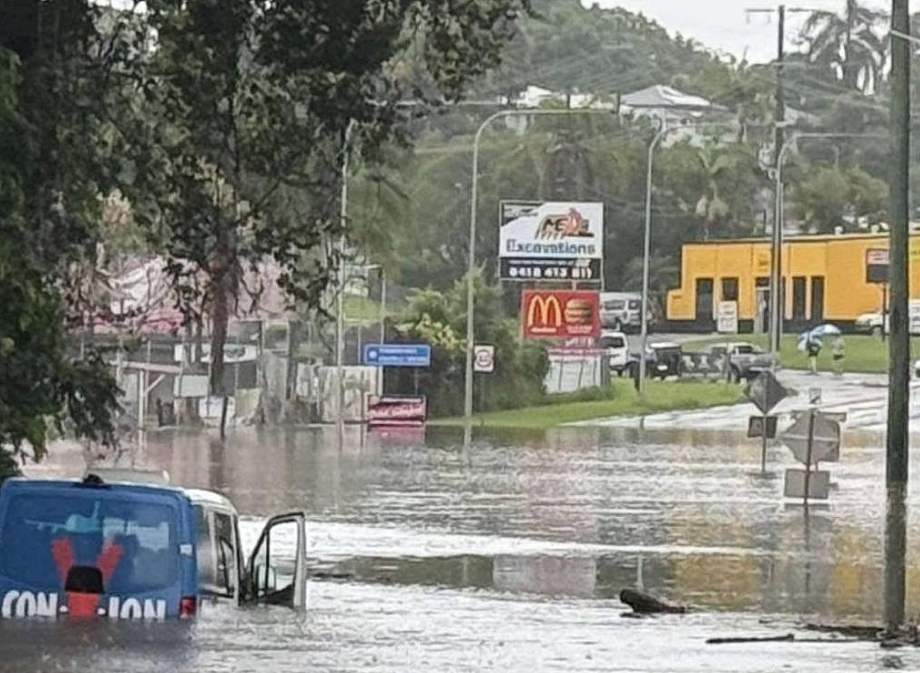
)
(132, 543)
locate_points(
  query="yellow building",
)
(824, 279)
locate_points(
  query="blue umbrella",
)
(824, 330)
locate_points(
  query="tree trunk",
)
(220, 316)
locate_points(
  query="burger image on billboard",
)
(578, 312)
(559, 314)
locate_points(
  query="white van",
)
(616, 350)
(621, 310)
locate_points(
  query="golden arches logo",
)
(544, 312)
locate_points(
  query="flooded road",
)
(510, 555)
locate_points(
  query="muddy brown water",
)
(510, 555)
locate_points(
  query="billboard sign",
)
(552, 240)
(560, 314)
(397, 410)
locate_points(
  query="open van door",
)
(277, 570)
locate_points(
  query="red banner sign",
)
(397, 410)
(560, 314)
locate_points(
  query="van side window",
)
(216, 554)
(226, 554)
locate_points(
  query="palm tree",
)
(716, 164)
(848, 45)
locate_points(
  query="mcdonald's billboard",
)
(560, 314)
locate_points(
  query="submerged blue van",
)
(109, 546)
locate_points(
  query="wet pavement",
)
(863, 397)
(510, 555)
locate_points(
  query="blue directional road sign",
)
(397, 355)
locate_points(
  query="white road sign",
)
(825, 445)
(818, 484)
(484, 358)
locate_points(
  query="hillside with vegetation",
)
(415, 209)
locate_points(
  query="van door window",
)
(277, 567)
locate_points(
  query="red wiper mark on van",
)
(108, 559)
(62, 552)
(82, 604)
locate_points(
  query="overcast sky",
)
(723, 26)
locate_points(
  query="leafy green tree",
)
(254, 103)
(567, 47)
(439, 318)
(57, 149)
(825, 197)
(663, 275)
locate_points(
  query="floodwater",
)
(510, 556)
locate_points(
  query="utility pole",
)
(777, 297)
(897, 447)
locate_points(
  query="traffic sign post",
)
(762, 426)
(765, 392)
(397, 355)
(813, 437)
(484, 358)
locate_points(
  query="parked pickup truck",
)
(745, 361)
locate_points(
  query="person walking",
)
(838, 351)
(814, 349)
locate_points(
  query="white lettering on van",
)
(9, 600)
(154, 609)
(131, 609)
(47, 605)
(27, 604)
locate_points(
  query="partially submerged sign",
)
(765, 392)
(397, 410)
(757, 425)
(825, 438)
(819, 482)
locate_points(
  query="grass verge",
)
(863, 353)
(622, 400)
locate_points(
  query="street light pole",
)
(646, 251)
(340, 298)
(777, 308)
(471, 265)
(656, 140)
